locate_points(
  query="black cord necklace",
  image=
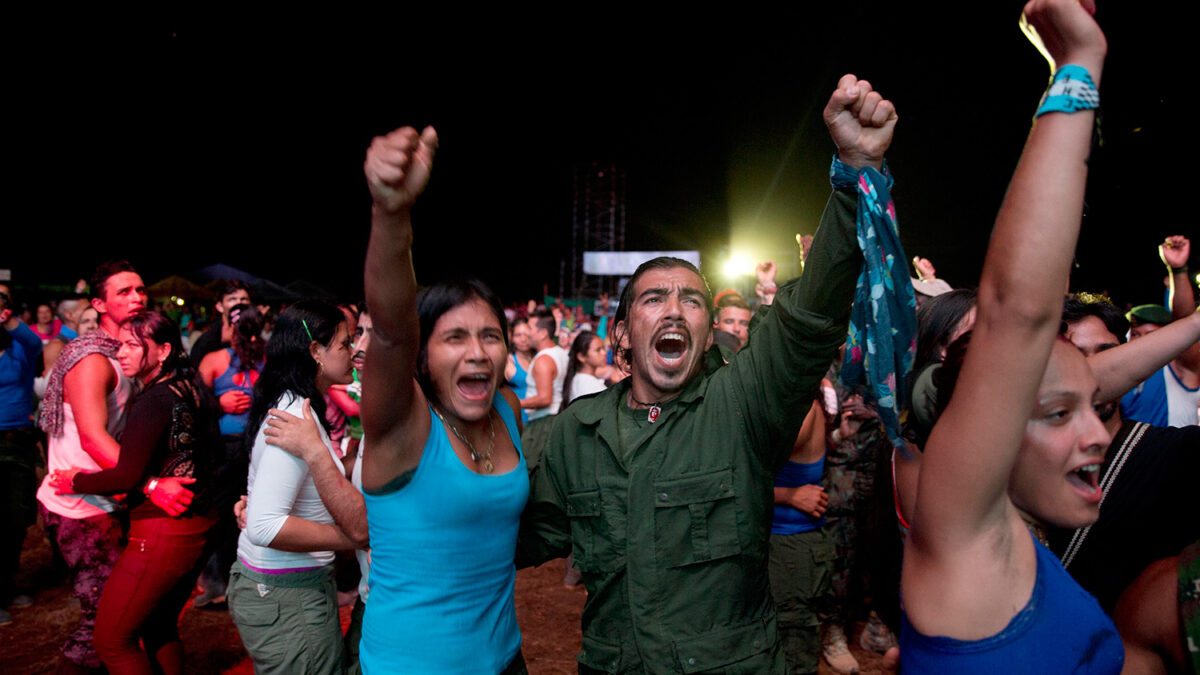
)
(655, 409)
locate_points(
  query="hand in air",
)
(861, 122)
(295, 436)
(1064, 31)
(1175, 251)
(398, 166)
(235, 402)
(171, 496)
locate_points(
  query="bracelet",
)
(1179, 270)
(150, 486)
(771, 289)
(834, 436)
(1071, 90)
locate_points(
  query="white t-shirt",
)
(285, 491)
(67, 451)
(560, 359)
(583, 384)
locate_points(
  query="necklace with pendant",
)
(652, 414)
(488, 467)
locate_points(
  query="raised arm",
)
(790, 348)
(1174, 252)
(961, 498)
(393, 409)
(1121, 368)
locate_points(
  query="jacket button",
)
(757, 644)
(662, 496)
(691, 662)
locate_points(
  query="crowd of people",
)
(987, 479)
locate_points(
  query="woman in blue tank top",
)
(444, 478)
(1018, 442)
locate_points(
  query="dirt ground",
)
(547, 612)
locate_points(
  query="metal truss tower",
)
(598, 223)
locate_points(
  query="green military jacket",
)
(669, 522)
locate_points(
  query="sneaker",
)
(5, 618)
(875, 636)
(20, 601)
(837, 654)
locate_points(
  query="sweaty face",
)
(335, 361)
(362, 340)
(667, 331)
(736, 321)
(124, 294)
(1057, 472)
(465, 359)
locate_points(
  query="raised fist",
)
(860, 121)
(398, 166)
(1175, 251)
(1065, 32)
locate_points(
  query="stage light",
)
(738, 265)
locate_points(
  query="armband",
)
(1071, 90)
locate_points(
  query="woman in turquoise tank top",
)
(444, 478)
(1018, 442)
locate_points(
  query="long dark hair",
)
(440, 298)
(579, 347)
(248, 343)
(937, 319)
(659, 263)
(150, 326)
(290, 366)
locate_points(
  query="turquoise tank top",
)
(1060, 630)
(442, 574)
(234, 379)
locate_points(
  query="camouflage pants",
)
(91, 548)
(849, 481)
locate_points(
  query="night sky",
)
(184, 142)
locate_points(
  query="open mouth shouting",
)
(475, 386)
(671, 346)
(1085, 480)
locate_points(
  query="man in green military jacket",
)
(661, 486)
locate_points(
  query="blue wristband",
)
(1071, 90)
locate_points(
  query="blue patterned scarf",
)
(881, 343)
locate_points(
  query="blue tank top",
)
(519, 385)
(789, 520)
(234, 379)
(442, 574)
(1060, 630)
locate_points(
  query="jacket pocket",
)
(696, 518)
(600, 655)
(583, 510)
(718, 650)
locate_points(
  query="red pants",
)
(146, 593)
